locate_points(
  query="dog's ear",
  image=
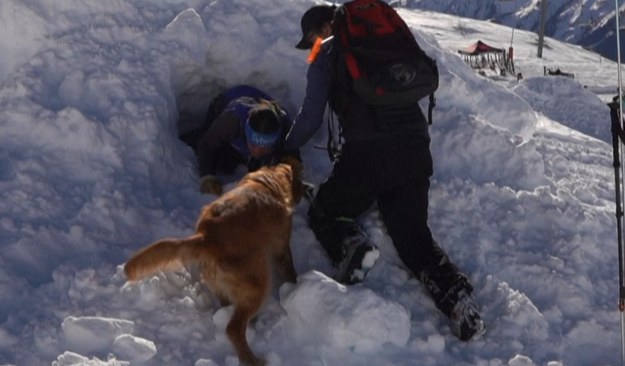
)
(295, 164)
(297, 188)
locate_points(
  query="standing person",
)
(388, 166)
(244, 125)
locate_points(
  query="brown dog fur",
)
(239, 238)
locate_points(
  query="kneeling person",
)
(245, 126)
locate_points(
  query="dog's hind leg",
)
(284, 263)
(247, 302)
(236, 333)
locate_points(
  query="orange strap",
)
(314, 52)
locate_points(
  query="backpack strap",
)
(334, 146)
(431, 105)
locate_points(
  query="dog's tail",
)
(164, 255)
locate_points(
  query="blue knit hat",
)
(263, 126)
(260, 139)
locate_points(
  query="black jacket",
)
(328, 83)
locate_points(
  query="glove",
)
(310, 190)
(210, 184)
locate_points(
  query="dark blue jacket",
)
(223, 145)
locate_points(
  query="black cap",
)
(312, 20)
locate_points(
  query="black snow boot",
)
(452, 294)
(359, 256)
(348, 245)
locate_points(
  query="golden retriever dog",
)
(240, 238)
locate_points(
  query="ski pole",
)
(617, 128)
(617, 136)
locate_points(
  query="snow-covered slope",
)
(92, 97)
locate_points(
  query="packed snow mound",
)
(31, 35)
(570, 103)
(321, 309)
(92, 169)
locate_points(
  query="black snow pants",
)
(395, 172)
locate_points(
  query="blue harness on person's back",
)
(241, 107)
(244, 91)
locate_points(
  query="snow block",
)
(85, 334)
(322, 310)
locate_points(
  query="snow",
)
(324, 311)
(93, 95)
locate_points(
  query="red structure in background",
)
(483, 56)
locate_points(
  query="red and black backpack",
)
(385, 66)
